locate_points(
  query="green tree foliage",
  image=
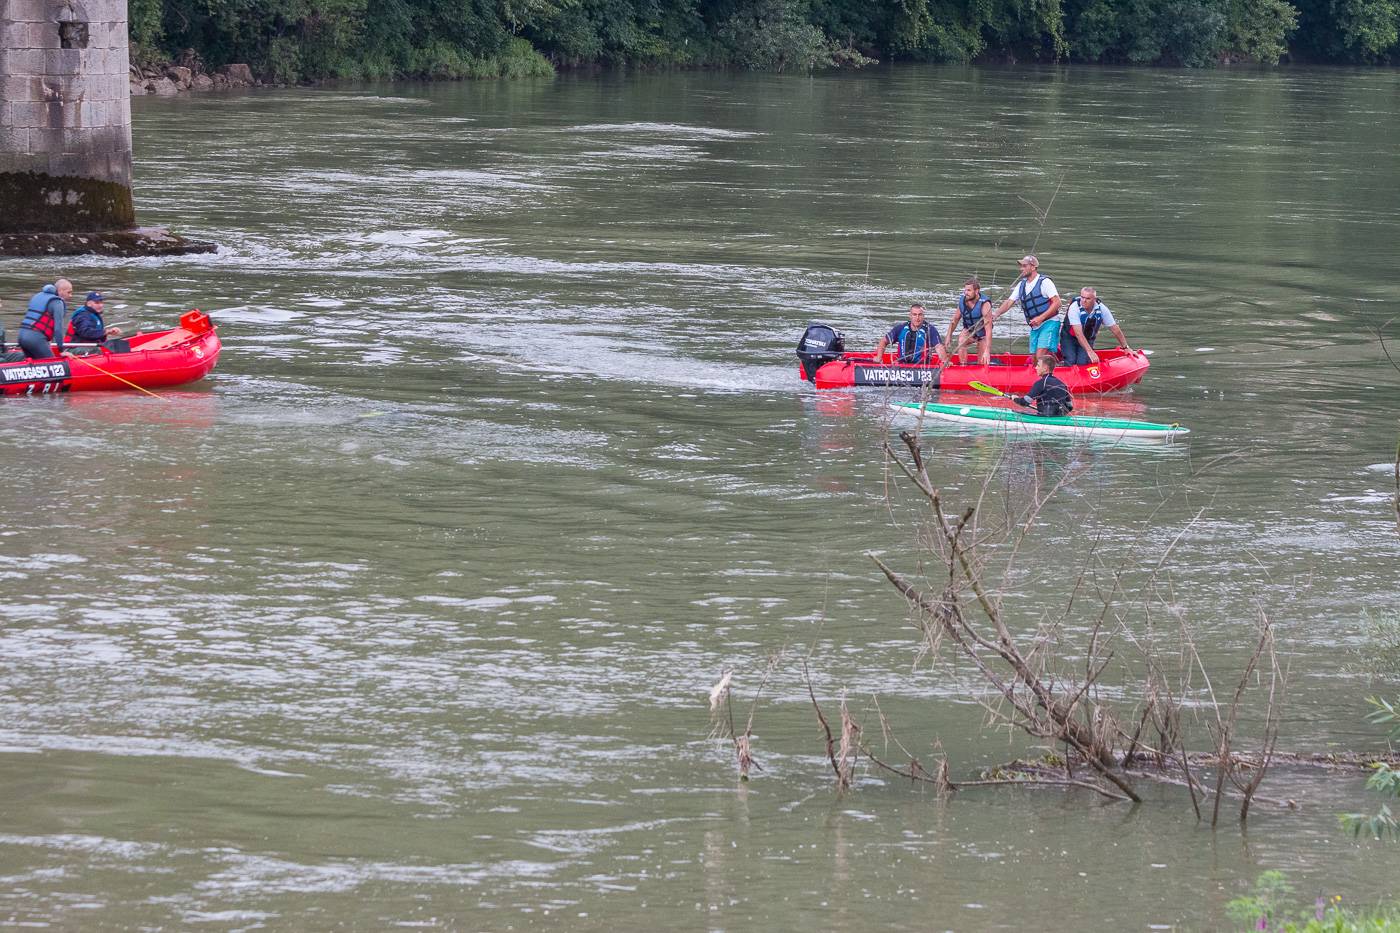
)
(297, 40)
(1385, 781)
(1259, 29)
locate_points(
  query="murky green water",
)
(407, 615)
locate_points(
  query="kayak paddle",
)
(983, 387)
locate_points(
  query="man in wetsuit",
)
(914, 341)
(87, 325)
(44, 321)
(1049, 396)
(1083, 318)
(1040, 303)
(973, 312)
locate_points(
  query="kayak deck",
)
(983, 416)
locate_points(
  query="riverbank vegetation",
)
(1274, 905)
(307, 40)
(1108, 691)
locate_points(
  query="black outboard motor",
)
(819, 345)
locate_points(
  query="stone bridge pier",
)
(65, 130)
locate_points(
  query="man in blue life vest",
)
(1049, 395)
(44, 321)
(1083, 318)
(973, 312)
(87, 325)
(1040, 302)
(914, 341)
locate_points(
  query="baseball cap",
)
(95, 296)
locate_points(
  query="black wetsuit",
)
(1050, 396)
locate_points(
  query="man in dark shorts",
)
(974, 313)
(914, 341)
(44, 321)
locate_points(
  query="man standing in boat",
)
(915, 341)
(44, 321)
(1040, 302)
(1083, 318)
(973, 312)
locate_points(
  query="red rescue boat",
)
(164, 358)
(825, 363)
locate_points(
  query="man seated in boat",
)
(87, 325)
(973, 312)
(1049, 395)
(914, 341)
(1083, 318)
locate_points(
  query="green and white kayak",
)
(1008, 419)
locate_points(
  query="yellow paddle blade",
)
(983, 387)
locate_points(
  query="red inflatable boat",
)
(825, 363)
(164, 358)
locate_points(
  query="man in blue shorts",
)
(914, 341)
(1040, 302)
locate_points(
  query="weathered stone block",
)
(70, 116)
(26, 61)
(63, 61)
(180, 75)
(202, 82)
(163, 87)
(14, 35)
(30, 113)
(14, 139)
(43, 36)
(47, 140)
(24, 162)
(21, 88)
(28, 11)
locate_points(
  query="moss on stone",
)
(36, 202)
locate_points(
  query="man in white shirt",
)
(1083, 318)
(1040, 302)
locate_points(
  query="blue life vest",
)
(971, 317)
(1033, 303)
(38, 316)
(1091, 320)
(916, 344)
(86, 326)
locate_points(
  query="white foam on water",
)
(667, 129)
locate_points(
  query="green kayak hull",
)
(983, 416)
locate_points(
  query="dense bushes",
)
(295, 40)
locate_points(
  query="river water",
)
(407, 616)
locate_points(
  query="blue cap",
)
(95, 296)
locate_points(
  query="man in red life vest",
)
(44, 321)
